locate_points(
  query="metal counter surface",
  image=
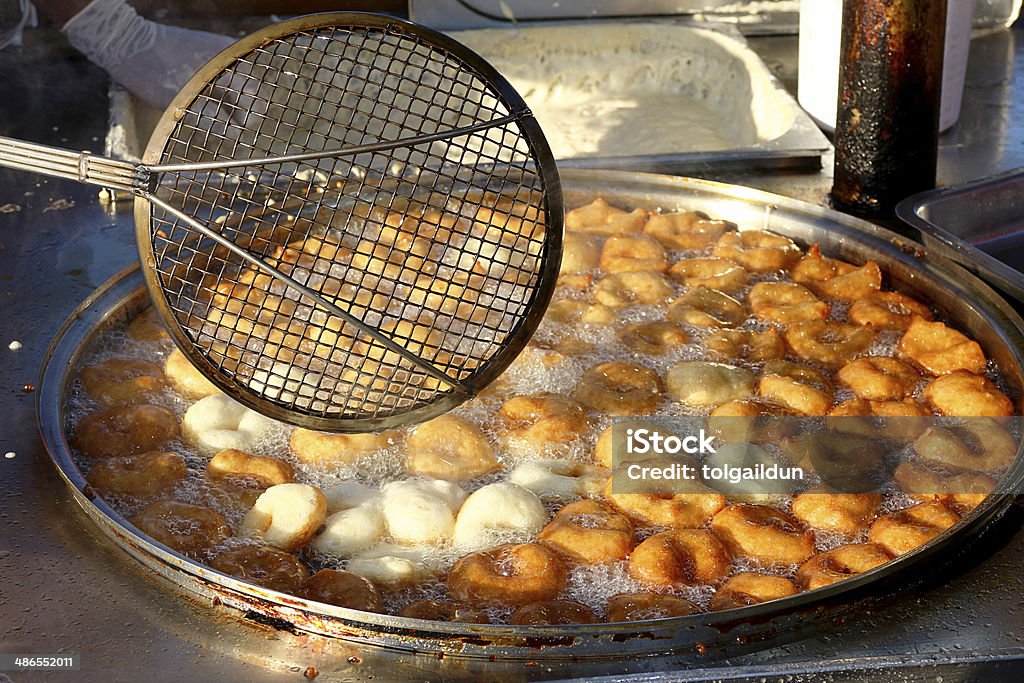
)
(65, 589)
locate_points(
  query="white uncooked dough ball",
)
(498, 513)
(421, 510)
(287, 515)
(559, 479)
(355, 522)
(392, 566)
(349, 494)
(217, 423)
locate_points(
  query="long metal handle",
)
(349, 151)
(62, 163)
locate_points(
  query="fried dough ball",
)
(189, 529)
(814, 267)
(713, 272)
(573, 311)
(829, 343)
(143, 476)
(963, 491)
(125, 430)
(633, 253)
(840, 564)
(548, 353)
(511, 237)
(908, 407)
(633, 289)
(421, 510)
(422, 337)
(834, 279)
(263, 566)
(744, 455)
(901, 531)
(763, 533)
(749, 588)
(823, 508)
(844, 462)
(444, 610)
(619, 388)
(685, 229)
(498, 512)
(543, 420)
(688, 506)
(700, 384)
(227, 495)
(611, 448)
(122, 380)
(262, 470)
(580, 253)
(757, 250)
(355, 521)
(963, 394)
(509, 575)
(888, 311)
(451, 295)
(408, 230)
(187, 381)
(747, 345)
(287, 516)
(242, 318)
(336, 450)
(901, 421)
(601, 218)
(940, 350)
(704, 307)
(684, 557)
(654, 338)
(785, 303)
(978, 444)
(799, 388)
(217, 422)
(750, 420)
(412, 254)
(554, 479)
(343, 589)
(589, 532)
(147, 326)
(553, 613)
(448, 447)
(392, 567)
(577, 282)
(879, 378)
(644, 606)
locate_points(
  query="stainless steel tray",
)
(751, 16)
(958, 295)
(663, 97)
(979, 224)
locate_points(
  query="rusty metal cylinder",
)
(890, 86)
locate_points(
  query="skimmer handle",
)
(62, 163)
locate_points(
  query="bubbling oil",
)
(554, 361)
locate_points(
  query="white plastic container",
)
(820, 35)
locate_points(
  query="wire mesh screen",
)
(440, 245)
